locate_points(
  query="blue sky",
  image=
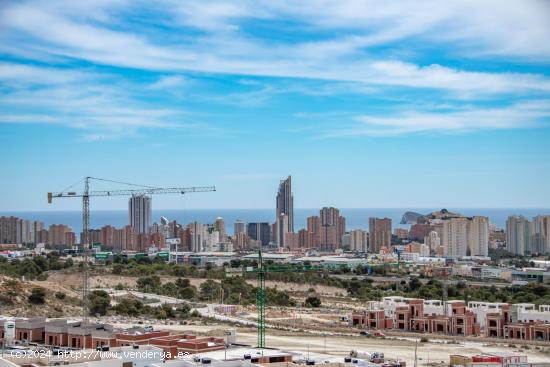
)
(364, 103)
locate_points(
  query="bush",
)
(37, 296)
(130, 307)
(150, 284)
(312, 301)
(195, 314)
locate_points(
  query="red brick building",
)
(137, 336)
(29, 329)
(191, 344)
(411, 316)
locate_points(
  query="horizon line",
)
(302, 208)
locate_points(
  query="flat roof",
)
(269, 255)
(240, 352)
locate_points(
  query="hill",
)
(14, 300)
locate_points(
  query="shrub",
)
(37, 296)
(312, 301)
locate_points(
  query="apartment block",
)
(379, 234)
(418, 315)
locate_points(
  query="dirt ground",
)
(435, 351)
(74, 281)
(393, 348)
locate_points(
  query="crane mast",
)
(260, 301)
(86, 245)
(86, 194)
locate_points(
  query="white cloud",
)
(222, 41)
(520, 115)
(24, 75)
(473, 27)
(168, 81)
(100, 105)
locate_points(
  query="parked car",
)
(148, 328)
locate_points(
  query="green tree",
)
(183, 311)
(98, 302)
(149, 284)
(414, 284)
(210, 291)
(184, 289)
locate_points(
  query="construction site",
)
(333, 328)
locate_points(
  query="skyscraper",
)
(57, 235)
(284, 205)
(518, 235)
(542, 232)
(10, 230)
(197, 236)
(455, 237)
(282, 229)
(332, 228)
(314, 228)
(239, 227)
(433, 241)
(259, 232)
(219, 226)
(478, 236)
(379, 234)
(139, 213)
(358, 240)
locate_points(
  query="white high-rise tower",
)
(140, 213)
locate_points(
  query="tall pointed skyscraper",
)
(284, 205)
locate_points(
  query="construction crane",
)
(443, 273)
(261, 270)
(86, 194)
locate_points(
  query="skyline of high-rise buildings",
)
(524, 236)
(443, 233)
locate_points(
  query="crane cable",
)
(123, 183)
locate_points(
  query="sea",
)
(356, 218)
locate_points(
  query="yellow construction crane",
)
(86, 194)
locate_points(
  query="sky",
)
(372, 104)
